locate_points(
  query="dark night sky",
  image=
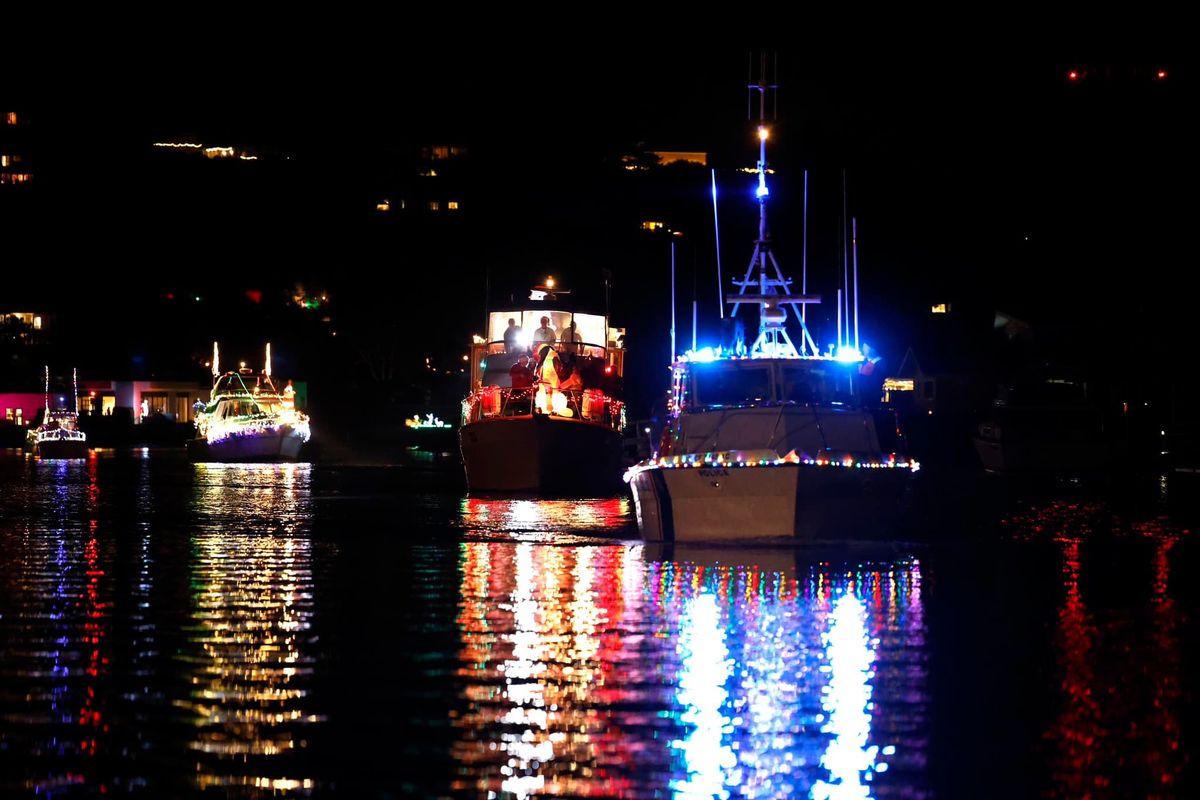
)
(979, 175)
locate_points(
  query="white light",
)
(848, 354)
(847, 699)
(702, 693)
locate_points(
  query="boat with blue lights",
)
(59, 436)
(545, 415)
(248, 419)
(771, 440)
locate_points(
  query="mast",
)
(773, 295)
(216, 370)
(672, 296)
(717, 230)
(854, 247)
(267, 369)
(46, 416)
(75, 386)
(804, 264)
(844, 339)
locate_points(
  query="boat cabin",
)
(712, 383)
(597, 349)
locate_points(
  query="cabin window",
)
(731, 384)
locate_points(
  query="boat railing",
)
(61, 434)
(576, 348)
(588, 405)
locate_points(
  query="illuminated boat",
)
(772, 441)
(59, 436)
(248, 419)
(540, 439)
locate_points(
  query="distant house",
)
(940, 384)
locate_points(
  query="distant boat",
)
(248, 419)
(59, 436)
(1045, 427)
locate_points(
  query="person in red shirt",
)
(520, 374)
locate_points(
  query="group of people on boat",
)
(568, 337)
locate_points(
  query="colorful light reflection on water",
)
(174, 630)
(597, 671)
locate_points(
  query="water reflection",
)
(1117, 728)
(592, 670)
(55, 608)
(249, 665)
(708, 757)
(543, 520)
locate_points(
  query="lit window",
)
(8, 414)
(653, 225)
(15, 177)
(434, 205)
(940, 308)
(383, 205)
(11, 118)
(452, 205)
(428, 172)
(4, 161)
(37, 323)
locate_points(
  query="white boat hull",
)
(282, 444)
(792, 501)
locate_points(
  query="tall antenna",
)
(672, 296)
(804, 263)
(717, 229)
(845, 338)
(774, 291)
(267, 369)
(854, 245)
(46, 416)
(75, 384)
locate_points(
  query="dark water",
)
(170, 630)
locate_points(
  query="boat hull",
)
(1066, 459)
(792, 501)
(61, 448)
(268, 446)
(541, 455)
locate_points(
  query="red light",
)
(1072, 75)
(1162, 74)
(608, 370)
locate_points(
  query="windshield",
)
(731, 383)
